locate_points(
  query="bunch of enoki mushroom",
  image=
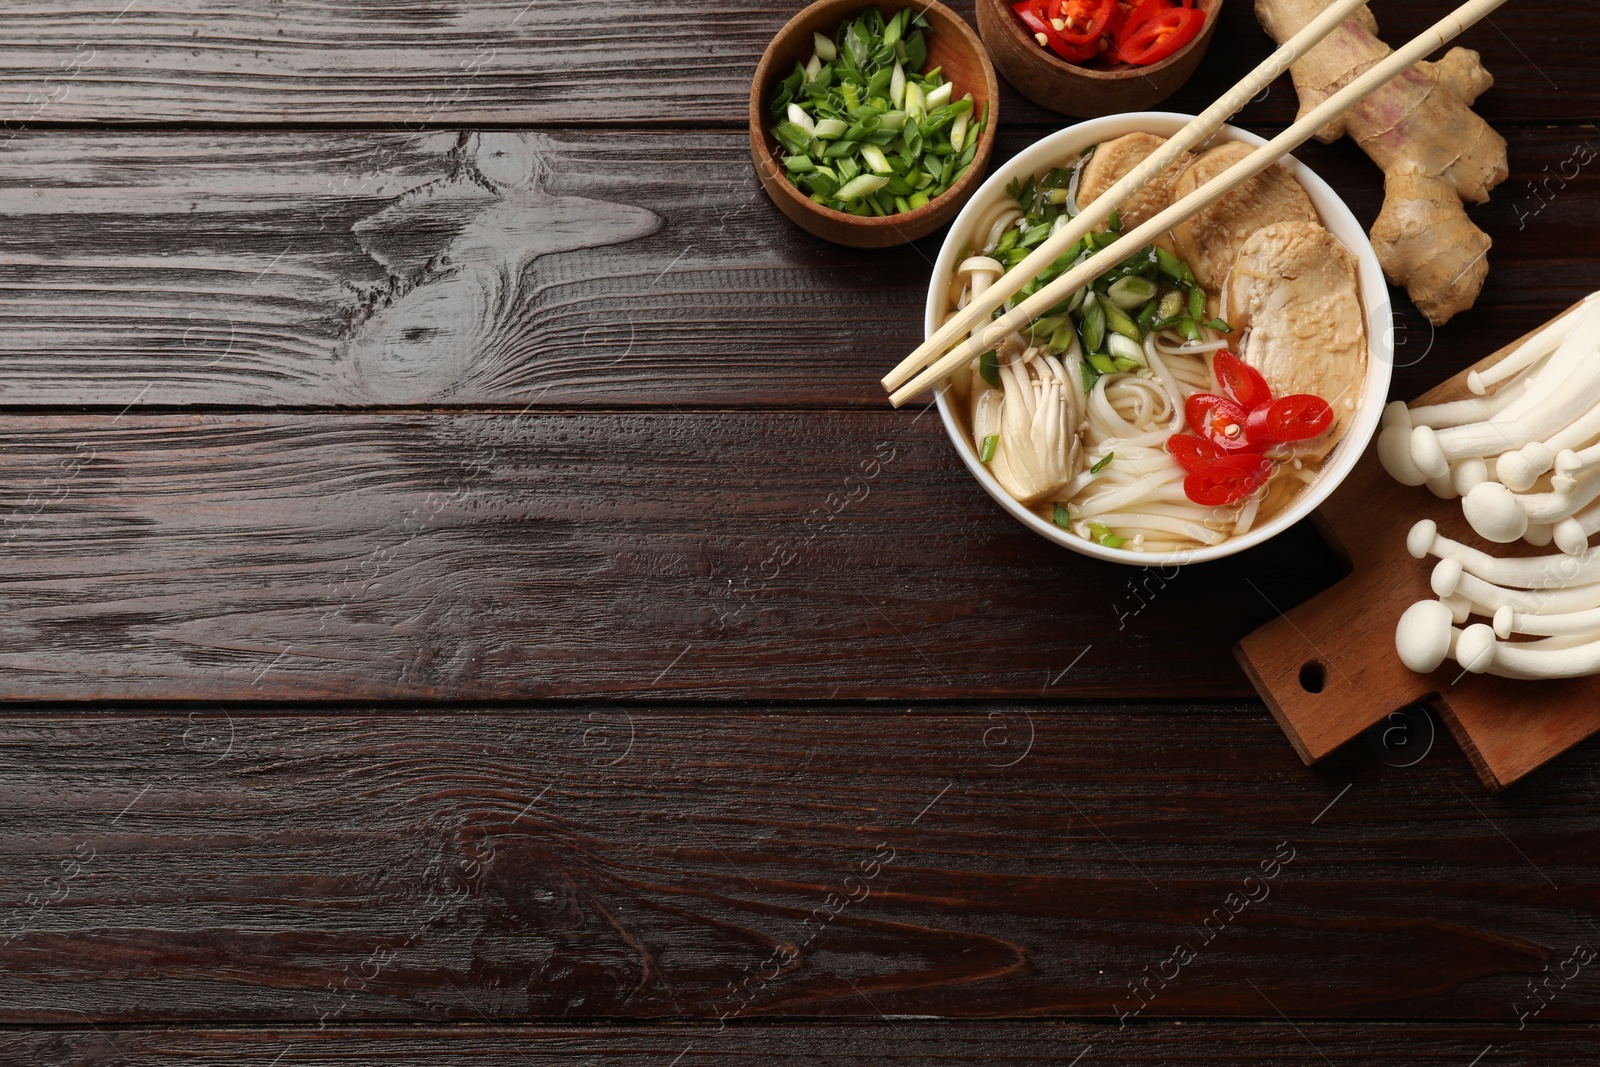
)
(1525, 461)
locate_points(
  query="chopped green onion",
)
(1089, 373)
(798, 116)
(1219, 326)
(829, 129)
(1121, 348)
(861, 104)
(1101, 363)
(1102, 535)
(1118, 321)
(1061, 517)
(1103, 463)
(874, 157)
(1131, 292)
(1147, 316)
(1114, 221)
(1172, 266)
(989, 368)
(1197, 303)
(1094, 324)
(990, 443)
(860, 186)
(1171, 307)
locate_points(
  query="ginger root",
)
(1434, 150)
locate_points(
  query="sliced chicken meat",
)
(1211, 239)
(1113, 160)
(1294, 289)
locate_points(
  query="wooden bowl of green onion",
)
(871, 126)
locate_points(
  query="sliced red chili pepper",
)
(1241, 381)
(1140, 14)
(1298, 417)
(1228, 480)
(1159, 36)
(1035, 15)
(1193, 453)
(1086, 20)
(1219, 420)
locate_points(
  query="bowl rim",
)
(762, 136)
(1061, 66)
(1335, 215)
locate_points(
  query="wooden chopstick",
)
(1436, 36)
(1202, 127)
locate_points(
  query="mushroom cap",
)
(1519, 469)
(1446, 577)
(1539, 534)
(1396, 413)
(1420, 541)
(1423, 636)
(1468, 473)
(1427, 453)
(1493, 511)
(1504, 620)
(1570, 538)
(1475, 648)
(1394, 452)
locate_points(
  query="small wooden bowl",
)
(1085, 92)
(952, 45)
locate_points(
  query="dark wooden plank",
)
(574, 555)
(605, 862)
(420, 63)
(897, 1041)
(631, 269)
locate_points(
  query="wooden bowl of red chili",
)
(1097, 57)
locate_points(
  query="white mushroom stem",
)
(1394, 439)
(1564, 389)
(1426, 636)
(1569, 462)
(1449, 580)
(1537, 572)
(1502, 516)
(1451, 413)
(1478, 651)
(1573, 623)
(1534, 349)
(1461, 609)
(1520, 469)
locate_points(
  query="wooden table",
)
(466, 600)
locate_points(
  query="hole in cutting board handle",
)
(1312, 676)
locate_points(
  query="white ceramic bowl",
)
(1067, 143)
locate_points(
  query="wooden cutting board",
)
(1328, 668)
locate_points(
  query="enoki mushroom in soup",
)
(1143, 412)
